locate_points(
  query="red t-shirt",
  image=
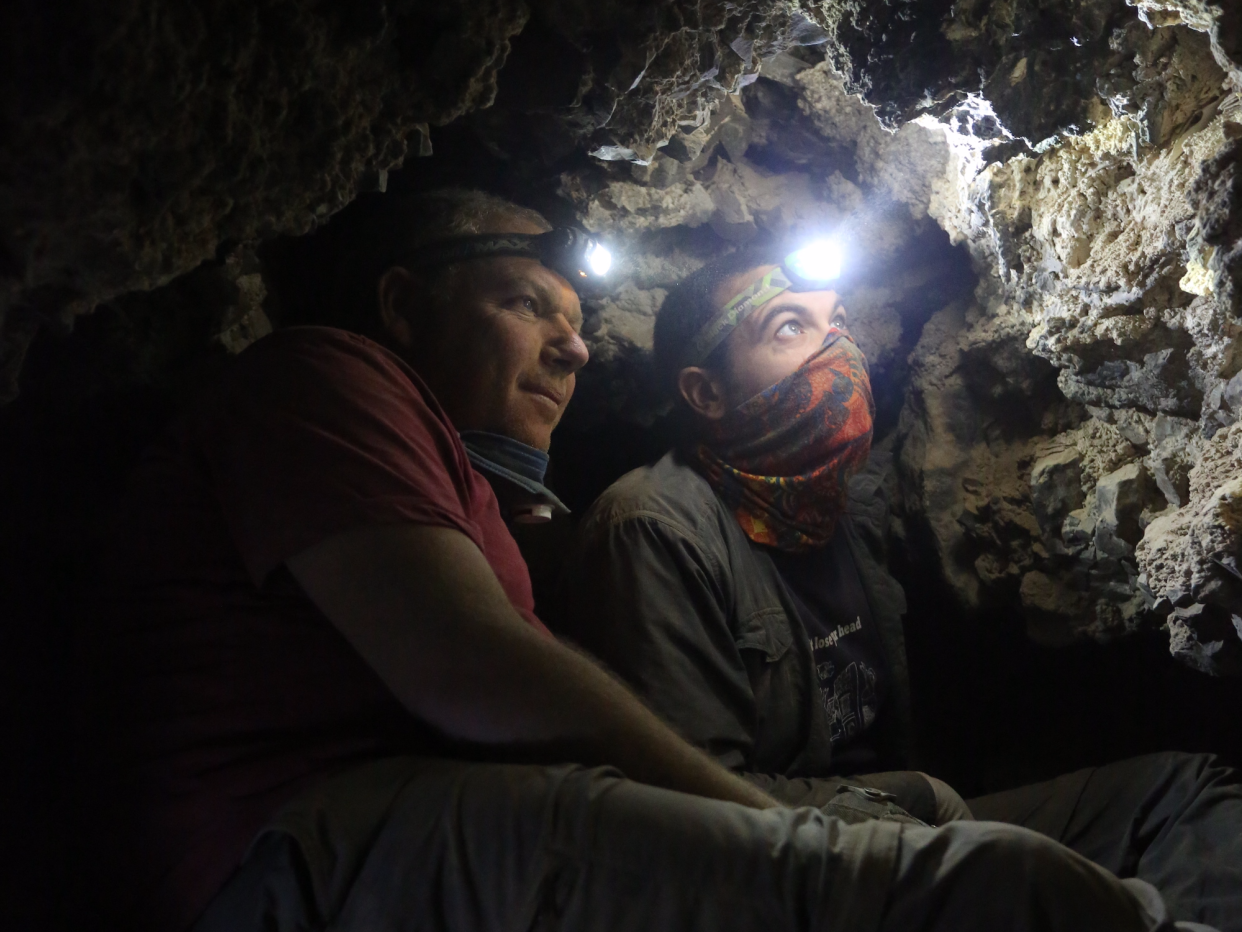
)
(227, 691)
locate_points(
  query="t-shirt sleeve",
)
(316, 433)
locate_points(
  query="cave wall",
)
(1068, 442)
(1104, 256)
(140, 138)
(1065, 436)
(1047, 194)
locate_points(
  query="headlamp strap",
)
(562, 249)
(737, 310)
(462, 248)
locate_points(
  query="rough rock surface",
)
(1066, 443)
(1063, 390)
(746, 184)
(1111, 253)
(139, 136)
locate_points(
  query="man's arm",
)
(652, 603)
(917, 793)
(424, 609)
(641, 595)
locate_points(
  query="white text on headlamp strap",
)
(737, 310)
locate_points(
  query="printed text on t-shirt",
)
(833, 637)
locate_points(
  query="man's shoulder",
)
(317, 346)
(321, 382)
(669, 491)
(316, 369)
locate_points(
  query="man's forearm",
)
(559, 697)
(424, 609)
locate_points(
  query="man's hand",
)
(424, 609)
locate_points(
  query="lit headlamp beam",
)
(598, 259)
(819, 261)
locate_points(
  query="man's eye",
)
(791, 328)
(524, 304)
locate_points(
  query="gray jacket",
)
(664, 587)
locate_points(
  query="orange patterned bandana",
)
(783, 460)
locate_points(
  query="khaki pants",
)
(423, 844)
(1173, 820)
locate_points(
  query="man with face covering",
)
(738, 584)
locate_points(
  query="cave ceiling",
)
(1049, 192)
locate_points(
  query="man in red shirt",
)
(331, 704)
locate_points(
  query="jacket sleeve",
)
(651, 602)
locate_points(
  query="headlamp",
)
(812, 267)
(573, 254)
(598, 258)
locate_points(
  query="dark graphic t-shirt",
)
(845, 645)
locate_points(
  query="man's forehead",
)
(754, 326)
(738, 282)
(508, 271)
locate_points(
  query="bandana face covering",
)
(782, 460)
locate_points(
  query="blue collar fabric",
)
(509, 459)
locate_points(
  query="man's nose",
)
(565, 350)
(830, 306)
(828, 311)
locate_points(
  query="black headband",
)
(564, 250)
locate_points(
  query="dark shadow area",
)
(90, 404)
(995, 711)
(62, 471)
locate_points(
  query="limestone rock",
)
(625, 206)
(1207, 638)
(1217, 231)
(1172, 477)
(1231, 394)
(928, 56)
(1120, 498)
(908, 165)
(1050, 608)
(1219, 21)
(1192, 554)
(1086, 245)
(1056, 489)
(1175, 445)
(970, 433)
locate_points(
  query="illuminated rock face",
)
(1066, 443)
(1113, 256)
(1047, 197)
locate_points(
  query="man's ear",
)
(399, 305)
(704, 392)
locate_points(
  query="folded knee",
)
(986, 875)
(1008, 852)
